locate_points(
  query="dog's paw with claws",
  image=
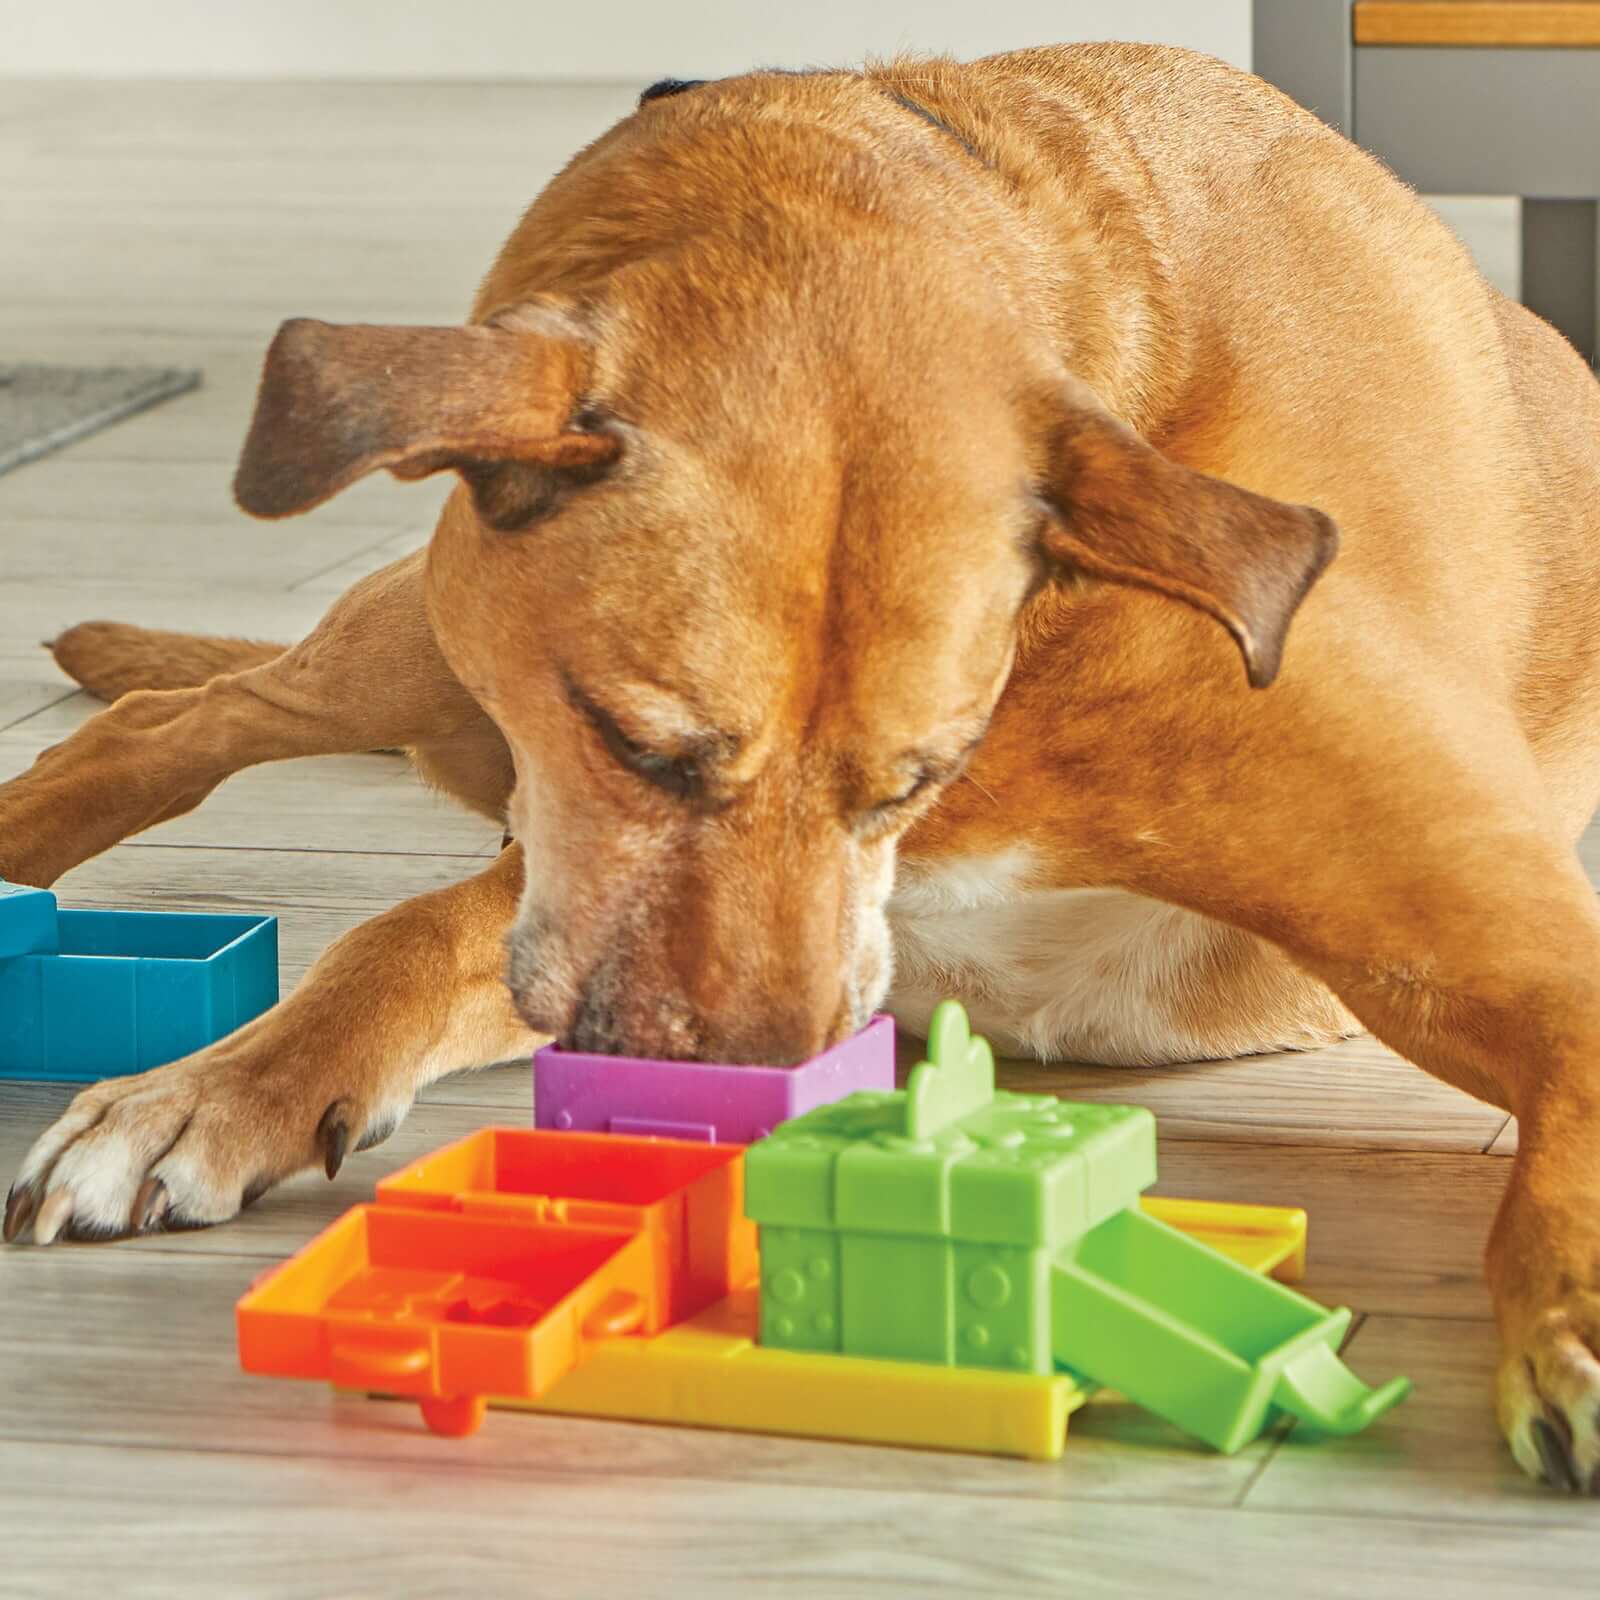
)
(1549, 1396)
(183, 1146)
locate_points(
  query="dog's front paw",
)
(1548, 1395)
(183, 1146)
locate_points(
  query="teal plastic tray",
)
(86, 995)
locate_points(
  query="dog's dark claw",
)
(333, 1135)
(1555, 1455)
(21, 1203)
(149, 1205)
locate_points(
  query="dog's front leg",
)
(394, 1004)
(1485, 970)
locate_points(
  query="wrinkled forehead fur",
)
(789, 310)
(775, 323)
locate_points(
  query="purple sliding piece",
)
(696, 1100)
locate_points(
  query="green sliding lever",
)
(1200, 1340)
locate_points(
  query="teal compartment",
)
(90, 1013)
(151, 935)
(106, 993)
(1198, 1339)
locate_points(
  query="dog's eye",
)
(683, 776)
(679, 775)
(884, 814)
(925, 779)
(933, 771)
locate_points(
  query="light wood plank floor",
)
(179, 225)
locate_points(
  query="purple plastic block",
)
(697, 1100)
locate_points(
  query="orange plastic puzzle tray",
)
(448, 1309)
(493, 1266)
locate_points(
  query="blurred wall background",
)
(621, 42)
(515, 39)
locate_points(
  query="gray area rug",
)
(43, 407)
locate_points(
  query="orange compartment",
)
(448, 1308)
(687, 1197)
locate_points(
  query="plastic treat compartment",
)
(1199, 1339)
(954, 1223)
(719, 1103)
(447, 1309)
(151, 935)
(98, 994)
(1240, 1311)
(688, 1198)
(568, 1174)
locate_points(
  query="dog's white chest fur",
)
(1080, 974)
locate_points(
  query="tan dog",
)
(858, 467)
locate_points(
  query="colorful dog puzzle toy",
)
(946, 1265)
(97, 994)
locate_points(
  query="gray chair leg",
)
(1304, 47)
(1561, 268)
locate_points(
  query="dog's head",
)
(737, 563)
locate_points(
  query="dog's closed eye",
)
(685, 772)
(923, 781)
(883, 816)
(930, 771)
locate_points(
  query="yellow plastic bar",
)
(709, 1372)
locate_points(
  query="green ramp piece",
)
(1319, 1388)
(1198, 1339)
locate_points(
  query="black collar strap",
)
(665, 88)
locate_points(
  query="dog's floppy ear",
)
(1124, 512)
(337, 402)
